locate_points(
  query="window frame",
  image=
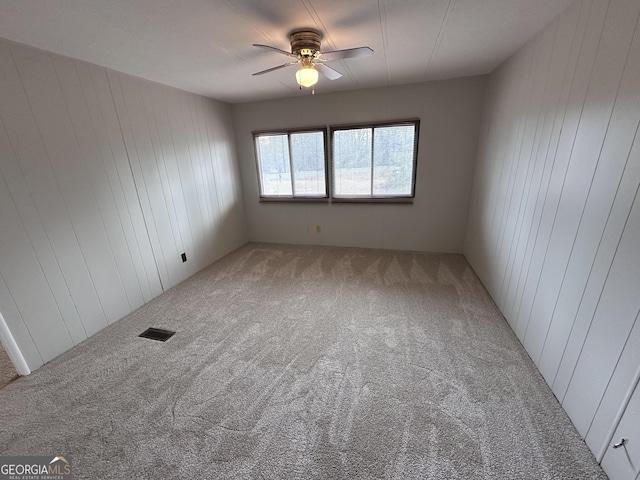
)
(322, 198)
(415, 122)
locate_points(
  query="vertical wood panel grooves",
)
(557, 207)
(88, 175)
(136, 189)
(127, 179)
(552, 169)
(635, 198)
(588, 192)
(103, 168)
(47, 156)
(26, 326)
(29, 193)
(135, 183)
(555, 223)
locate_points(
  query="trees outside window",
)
(292, 164)
(374, 161)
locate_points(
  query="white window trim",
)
(329, 195)
(375, 198)
(323, 198)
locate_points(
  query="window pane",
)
(307, 150)
(393, 160)
(352, 162)
(273, 160)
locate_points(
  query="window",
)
(292, 164)
(370, 163)
(374, 161)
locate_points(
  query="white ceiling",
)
(204, 46)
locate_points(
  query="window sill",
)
(399, 200)
(294, 200)
(382, 200)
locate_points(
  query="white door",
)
(623, 462)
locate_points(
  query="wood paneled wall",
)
(105, 179)
(554, 225)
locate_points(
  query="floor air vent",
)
(157, 334)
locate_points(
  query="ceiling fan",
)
(305, 48)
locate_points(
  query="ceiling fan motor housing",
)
(305, 43)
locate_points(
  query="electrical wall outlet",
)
(318, 229)
(184, 257)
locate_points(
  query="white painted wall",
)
(554, 221)
(104, 180)
(449, 113)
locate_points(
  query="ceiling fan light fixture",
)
(305, 49)
(307, 76)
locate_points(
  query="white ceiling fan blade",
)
(348, 53)
(328, 72)
(268, 47)
(275, 68)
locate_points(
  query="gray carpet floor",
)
(7, 371)
(295, 362)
